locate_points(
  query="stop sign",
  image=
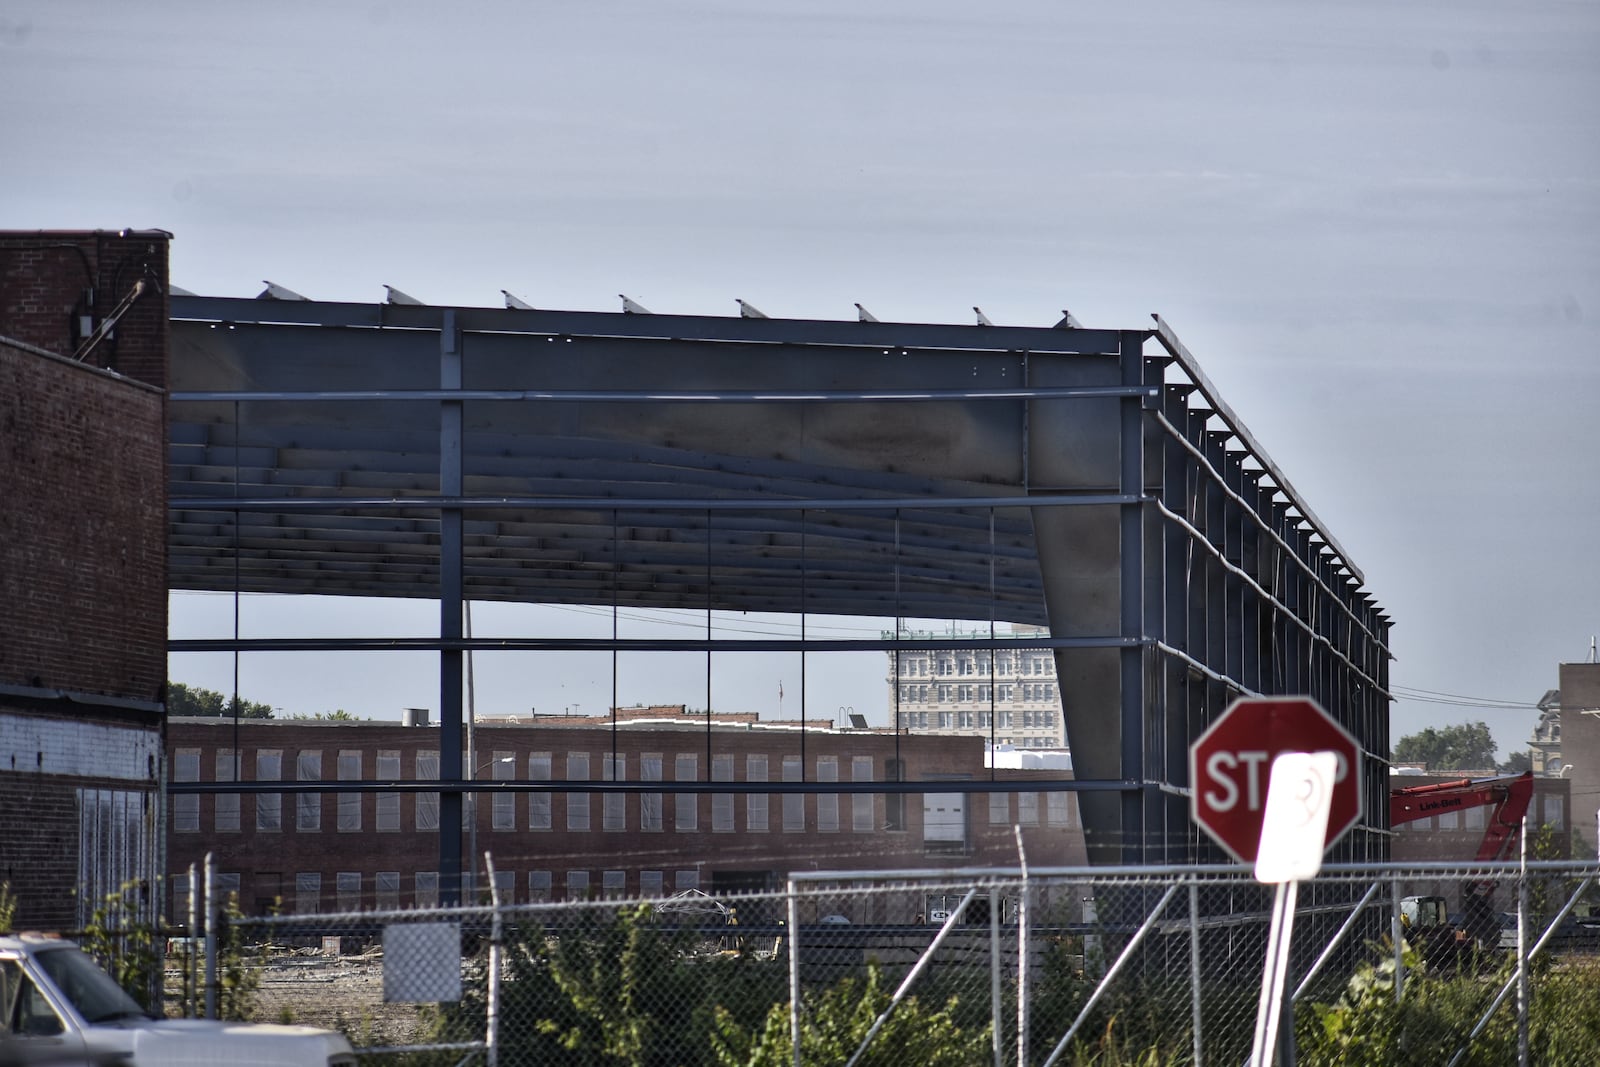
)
(1229, 766)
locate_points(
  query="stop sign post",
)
(1230, 762)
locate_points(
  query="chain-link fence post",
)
(1194, 970)
(793, 925)
(1522, 963)
(211, 935)
(995, 905)
(1023, 941)
(491, 1032)
(191, 958)
(1397, 935)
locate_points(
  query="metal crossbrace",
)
(910, 979)
(1520, 970)
(1111, 975)
(1338, 938)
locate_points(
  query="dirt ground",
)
(338, 992)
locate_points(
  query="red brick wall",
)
(41, 849)
(46, 276)
(328, 851)
(83, 529)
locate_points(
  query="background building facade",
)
(1579, 698)
(325, 851)
(1008, 697)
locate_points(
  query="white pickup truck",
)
(58, 1007)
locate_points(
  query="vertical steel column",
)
(1177, 695)
(1135, 715)
(1254, 610)
(451, 484)
(1216, 531)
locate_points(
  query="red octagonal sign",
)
(1229, 765)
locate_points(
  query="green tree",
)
(8, 908)
(1447, 748)
(126, 945)
(836, 1021)
(1517, 762)
(208, 703)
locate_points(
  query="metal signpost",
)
(1275, 782)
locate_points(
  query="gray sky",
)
(1376, 224)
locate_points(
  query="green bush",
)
(1438, 1011)
(833, 1025)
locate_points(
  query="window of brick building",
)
(503, 806)
(505, 884)
(227, 810)
(578, 803)
(650, 803)
(308, 806)
(386, 889)
(862, 804)
(269, 806)
(539, 803)
(1555, 811)
(307, 893)
(387, 816)
(425, 892)
(894, 804)
(794, 804)
(428, 803)
(186, 806)
(613, 806)
(686, 768)
(349, 817)
(722, 803)
(180, 897)
(347, 886)
(828, 803)
(755, 804)
(1055, 809)
(538, 886)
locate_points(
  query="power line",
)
(1430, 696)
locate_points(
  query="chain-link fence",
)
(1490, 964)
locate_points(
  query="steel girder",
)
(1062, 477)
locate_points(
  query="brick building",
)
(1579, 722)
(1454, 836)
(83, 351)
(340, 851)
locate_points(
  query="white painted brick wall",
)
(91, 750)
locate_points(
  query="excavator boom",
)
(1508, 797)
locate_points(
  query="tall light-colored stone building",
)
(1006, 696)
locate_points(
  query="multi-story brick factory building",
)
(696, 813)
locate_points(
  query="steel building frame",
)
(1091, 481)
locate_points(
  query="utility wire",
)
(1429, 696)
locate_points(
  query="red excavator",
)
(1507, 798)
